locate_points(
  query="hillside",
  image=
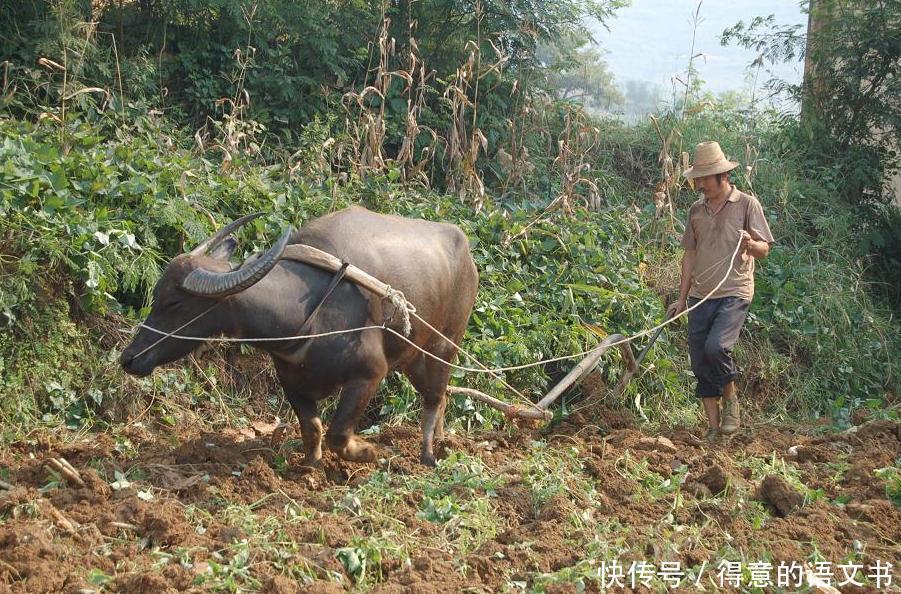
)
(132, 131)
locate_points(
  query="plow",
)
(539, 411)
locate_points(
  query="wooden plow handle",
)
(540, 410)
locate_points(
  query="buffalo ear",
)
(224, 250)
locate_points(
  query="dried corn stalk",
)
(366, 112)
(575, 144)
(670, 171)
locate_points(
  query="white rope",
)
(583, 353)
(412, 310)
(262, 339)
(170, 334)
(702, 276)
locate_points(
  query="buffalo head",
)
(191, 285)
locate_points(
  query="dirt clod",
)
(658, 443)
(279, 584)
(775, 491)
(143, 583)
(715, 479)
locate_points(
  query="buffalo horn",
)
(211, 242)
(206, 283)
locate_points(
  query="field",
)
(130, 131)
(175, 509)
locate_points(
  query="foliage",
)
(855, 56)
(58, 381)
(102, 183)
(116, 157)
(892, 477)
(445, 94)
(110, 213)
(515, 29)
(293, 59)
(92, 225)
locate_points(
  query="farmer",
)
(716, 223)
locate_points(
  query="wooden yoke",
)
(326, 261)
(316, 257)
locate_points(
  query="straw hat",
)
(709, 160)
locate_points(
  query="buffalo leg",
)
(340, 436)
(310, 430)
(307, 412)
(430, 378)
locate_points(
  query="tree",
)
(642, 98)
(577, 71)
(851, 118)
(516, 27)
(852, 90)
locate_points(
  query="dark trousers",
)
(713, 330)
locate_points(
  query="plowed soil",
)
(163, 528)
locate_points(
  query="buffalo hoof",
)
(428, 459)
(358, 451)
(311, 463)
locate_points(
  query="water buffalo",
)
(268, 296)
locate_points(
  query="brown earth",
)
(164, 529)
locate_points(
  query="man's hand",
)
(747, 242)
(753, 247)
(675, 309)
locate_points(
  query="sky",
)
(651, 40)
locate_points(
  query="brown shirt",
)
(714, 237)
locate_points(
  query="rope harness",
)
(400, 303)
(336, 278)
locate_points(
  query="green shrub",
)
(89, 222)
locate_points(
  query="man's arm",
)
(688, 265)
(756, 237)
